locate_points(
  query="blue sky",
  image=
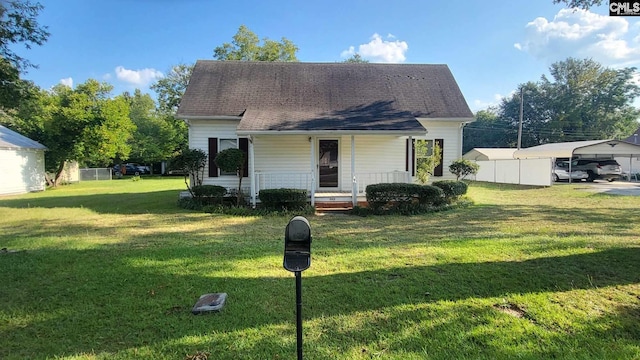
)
(490, 46)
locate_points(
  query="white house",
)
(329, 128)
(21, 163)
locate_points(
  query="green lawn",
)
(111, 269)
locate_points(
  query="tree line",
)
(87, 123)
(583, 100)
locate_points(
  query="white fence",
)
(364, 179)
(521, 171)
(95, 174)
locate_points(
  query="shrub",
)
(191, 162)
(216, 191)
(189, 203)
(463, 167)
(402, 197)
(208, 194)
(283, 199)
(232, 160)
(452, 189)
(431, 195)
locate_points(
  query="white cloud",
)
(67, 81)
(379, 50)
(483, 104)
(140, 78)
(582, 34)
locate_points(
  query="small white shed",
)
(480, 154)
(21, 163)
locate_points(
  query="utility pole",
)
(521, 115)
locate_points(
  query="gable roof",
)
(489, 154)
(633, 138)
(293, 96)
(10, 139)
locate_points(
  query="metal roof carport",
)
(591, 149)
(581, 149)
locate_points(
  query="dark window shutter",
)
(413, 157)
(243, 144)
(439, 169)
(213, 151)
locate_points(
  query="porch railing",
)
(364, 179)
(305, 181)
(276, 180)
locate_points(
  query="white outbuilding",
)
(21, 163)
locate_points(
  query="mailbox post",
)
(297, 258)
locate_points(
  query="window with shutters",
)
(216, 145)
(224, 145)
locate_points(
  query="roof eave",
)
(333, 132)
(450, 119)
(208, 117)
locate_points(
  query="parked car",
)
(561, 172)
(129, 169)
(605, 169)
(143, 169)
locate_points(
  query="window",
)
(423, 156)
(224, 145)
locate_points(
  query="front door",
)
(328, 163)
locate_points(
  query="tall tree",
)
(583, 101)
(18, 25)
(154, 138)
(589, 101)
(84, 125)
(246, 46)
(489, 130)
(170, 88)
(537, 115)
(580, 4)
(356, 58)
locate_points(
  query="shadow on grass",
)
(64, 303)
(156, 202)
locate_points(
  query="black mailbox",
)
(297, 244)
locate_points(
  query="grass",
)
(111, 269)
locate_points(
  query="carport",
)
(592, 149)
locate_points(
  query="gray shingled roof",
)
(10, 139)
(286, 96)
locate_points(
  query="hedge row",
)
(208, 194)
(452, 189)
(412, 198)
(283, 199)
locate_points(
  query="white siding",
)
(292, 153)
(450, 132)
(282, 153)
(21, 171)
(199, 133)
(374, 154)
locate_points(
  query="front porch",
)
(319, 197)
(335, 168)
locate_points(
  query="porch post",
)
(410, 161)
(354, 185)
(252, 172)
(312, 140)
